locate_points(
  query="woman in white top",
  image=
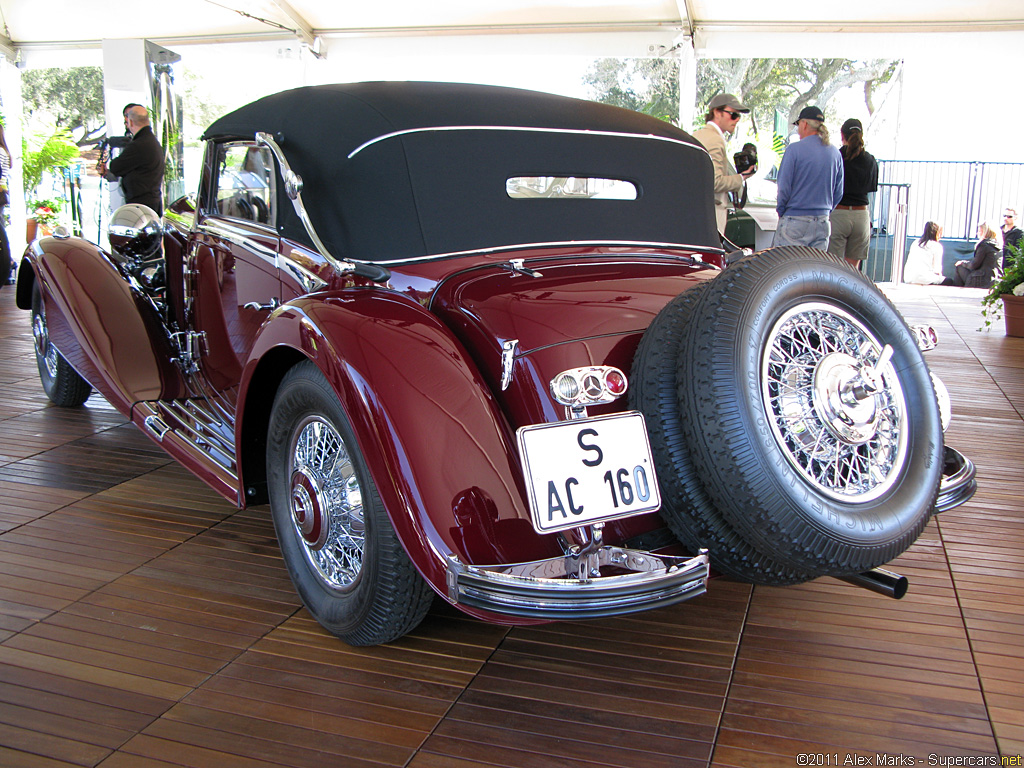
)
(924, 261)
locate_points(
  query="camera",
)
(746, 159)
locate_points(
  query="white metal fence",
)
(956, 195)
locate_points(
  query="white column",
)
(687, 83)
(10, 86)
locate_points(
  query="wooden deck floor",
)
(145, 623)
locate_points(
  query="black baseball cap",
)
(810, 113)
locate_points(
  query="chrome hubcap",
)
(842, 407)
(834, 402)
(326, 503)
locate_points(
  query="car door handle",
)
(270, 307)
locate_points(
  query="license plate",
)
(588, 470)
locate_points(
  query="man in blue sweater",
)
(810, 184)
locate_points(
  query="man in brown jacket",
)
(724, 113)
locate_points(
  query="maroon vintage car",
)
(482, 343)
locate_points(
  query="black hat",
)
(810, 113)
(853, 124)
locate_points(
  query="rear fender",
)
(113, 338)
(441, 454)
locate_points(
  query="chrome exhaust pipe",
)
(881, 581)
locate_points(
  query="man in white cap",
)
(724, 113)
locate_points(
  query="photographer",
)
(140, 166)
(724, 113)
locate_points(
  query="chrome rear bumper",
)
(543, 589)
(958, 482)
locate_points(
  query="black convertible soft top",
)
(399, 170)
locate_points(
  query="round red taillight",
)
(615, 382)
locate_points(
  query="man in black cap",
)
(140, 166)
(810, 184)
(724, 113)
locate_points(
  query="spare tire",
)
(686, 506)
(821, 455)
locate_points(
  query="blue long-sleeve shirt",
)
(810, 179)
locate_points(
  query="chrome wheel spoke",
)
(327, 503)
(841, 426)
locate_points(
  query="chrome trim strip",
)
(696, 249)
(293, 188)
(310, 282)
(224, 231)
(293, 184)
(543, 589)
(523, 129)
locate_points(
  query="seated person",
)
(983, 269)
(924, 260)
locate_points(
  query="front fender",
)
(112, 338)
(441, 453)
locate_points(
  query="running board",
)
(192, 436)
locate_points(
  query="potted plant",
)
(44, 216)
(1006, 296)
(43, 153)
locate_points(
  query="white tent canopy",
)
(715, 27)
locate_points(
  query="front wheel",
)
(61, 382)
(342, 553)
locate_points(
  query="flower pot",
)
(36, 229)
(1013, 314)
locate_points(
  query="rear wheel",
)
(340, 548)
(61, 382)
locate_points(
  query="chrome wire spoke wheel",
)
(327, 503)
(44, 349)
(834, 402)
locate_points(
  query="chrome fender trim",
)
(958, 481)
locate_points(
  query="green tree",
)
(652, 85)
(73, 97)
(790, 84)
(643, 85)
(201, 105)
